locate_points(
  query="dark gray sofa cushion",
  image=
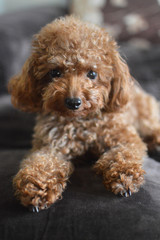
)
(87, 210)
(144, 66)
(16, 127)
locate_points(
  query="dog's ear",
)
(22, 88)
(120, 84)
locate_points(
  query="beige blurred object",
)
(158, 1)
(88, 10)
(113, 29)
(119, 3)
(135, 23)
(139, 43)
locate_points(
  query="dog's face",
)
(74, 69)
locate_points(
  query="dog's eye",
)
(55, 73)
(91, 74)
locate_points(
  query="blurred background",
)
(11, 5)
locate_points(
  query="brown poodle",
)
(86, 100)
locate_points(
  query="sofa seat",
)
(86, 211)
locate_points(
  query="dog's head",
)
(74, 69)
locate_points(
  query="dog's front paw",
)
(123, 182)
(126, 185)
(41, 201)
(38, 199)
(38, 194)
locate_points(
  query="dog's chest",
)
(79, 130)
(60, 132)
(74, 137)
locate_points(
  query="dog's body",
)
(88, 102)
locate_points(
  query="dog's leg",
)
(148, 117)
(121, 166)
(42, 179)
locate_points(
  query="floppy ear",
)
(120, 84)
(23, 90)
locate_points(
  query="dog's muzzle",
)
(73, 103)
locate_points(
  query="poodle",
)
(85, 100)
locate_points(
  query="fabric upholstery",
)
(87, 210)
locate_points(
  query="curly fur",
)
(113, 109)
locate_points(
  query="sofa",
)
(87, 211)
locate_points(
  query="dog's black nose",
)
(73, 103)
